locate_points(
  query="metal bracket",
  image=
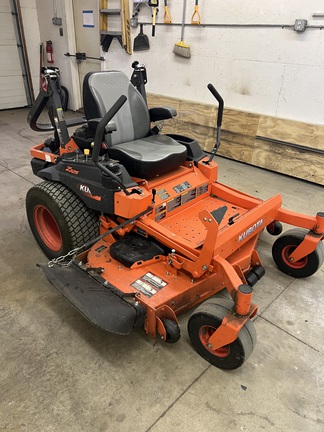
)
(82, 56)
(300, 25)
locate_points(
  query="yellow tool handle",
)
(153, 21)
(196, 13)
(167, 17)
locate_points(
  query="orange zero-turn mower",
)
(138, 229)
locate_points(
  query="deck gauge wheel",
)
(274, 228)
(172, 331)
(205, 321)
(284, 246)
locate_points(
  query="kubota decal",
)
(87, 192)
(250, 230)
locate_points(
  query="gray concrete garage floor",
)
(60, 373)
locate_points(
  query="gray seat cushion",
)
(150, 156)
(100, 92)
(143, 155)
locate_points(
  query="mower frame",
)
(208, 232)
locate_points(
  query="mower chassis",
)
(212, 234)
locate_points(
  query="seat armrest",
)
(161, 113)
(110, 127)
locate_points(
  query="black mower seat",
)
(142, 154)
(150, 156)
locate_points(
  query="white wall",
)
(49, 31)
(32, 37)
(270, 71)
(38, 27)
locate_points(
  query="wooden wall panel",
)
(305, 134)
(239, 137)
(291, 161)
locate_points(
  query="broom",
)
(181, 48)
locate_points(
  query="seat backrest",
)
(101, 90)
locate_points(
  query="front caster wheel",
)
(274, 228)
(284, 246)
(205, 321)
(172, 331)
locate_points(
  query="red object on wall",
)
(49, 52)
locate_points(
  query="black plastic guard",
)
(96, 302)
(219, 213)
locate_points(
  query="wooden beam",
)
(103, 4)
(301, 153)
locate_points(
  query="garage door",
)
(12, 91)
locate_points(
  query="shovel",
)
(141, 42)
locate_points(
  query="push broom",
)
(181, 48)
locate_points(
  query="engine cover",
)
(133, 248)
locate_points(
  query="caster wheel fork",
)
(203, 323)
(285, 245)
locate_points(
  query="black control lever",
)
(220, 101)
(102, 126)
(98, 140)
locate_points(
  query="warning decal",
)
(160, 216)
(202, 189)
(159, 209)
(174, 203)
(188, 196)
(149, 284)
(160, 212)
(163, 194)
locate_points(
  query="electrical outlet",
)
(300, 25)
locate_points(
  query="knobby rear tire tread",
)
(82, 222)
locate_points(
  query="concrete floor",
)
(60, 373)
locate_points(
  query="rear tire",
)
(59, 219)
(286, 244)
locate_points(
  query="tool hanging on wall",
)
(154, 4)
(141, 42)
(195, 19)
(136, 11)
(166, 17)
(180, 48)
